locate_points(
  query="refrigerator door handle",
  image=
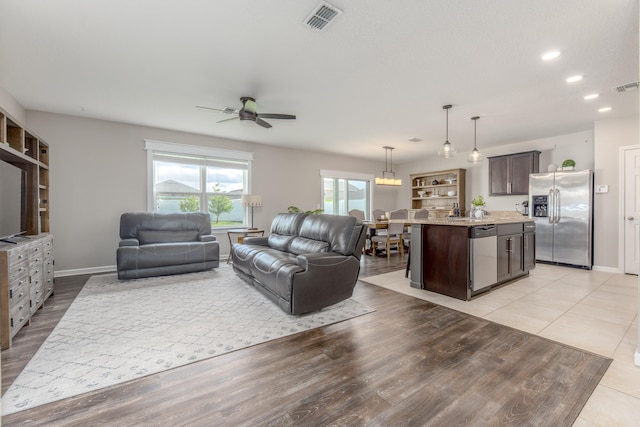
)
(551, 206)
(557, 208)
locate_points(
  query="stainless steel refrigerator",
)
(561, 203)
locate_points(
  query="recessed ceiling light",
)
(604, 109)
(548, 56)
(415, 139)
(574, 79)
(591, 96)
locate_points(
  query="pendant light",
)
(475, 156)
(388, 175)
(447, 150)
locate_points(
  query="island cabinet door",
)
(445, 260)
(529, 251)
(510, 260)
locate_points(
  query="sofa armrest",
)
(256, 240)
(328, 278)
(320, 259)
(129, 242)
(207, 238)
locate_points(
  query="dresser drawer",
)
(36, 255)
(37, 293)
(47, 243)
(17, 255)
(20, 314)
(18, 290)
(18, 272)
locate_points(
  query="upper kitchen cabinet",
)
(509, 174)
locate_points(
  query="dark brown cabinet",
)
(510, 251)
(445, 260)
(509, 174)
(529, 246)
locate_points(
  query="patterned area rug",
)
(116, 331)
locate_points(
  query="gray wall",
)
(610, 135)
(99, 170)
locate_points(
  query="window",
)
(343, 191)
(184, 178)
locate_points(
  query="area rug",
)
(116, 331)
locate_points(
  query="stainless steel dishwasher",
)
(483, 243)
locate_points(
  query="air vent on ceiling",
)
(626, 87)
(321, 16)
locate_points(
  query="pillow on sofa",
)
(148, 237)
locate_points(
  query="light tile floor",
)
(591, 310)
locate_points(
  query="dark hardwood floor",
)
(409, 363)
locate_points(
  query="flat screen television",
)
(12, 202)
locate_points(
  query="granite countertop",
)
(497, 217)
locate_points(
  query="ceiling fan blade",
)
(262, 123)
(276, 116)
(226, 120)
(208, 108)
(225, 110)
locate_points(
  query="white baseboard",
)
(607, 269)
(90, 270)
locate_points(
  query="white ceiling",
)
(378, 75)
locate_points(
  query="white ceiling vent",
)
(321, 16)
(626, 87)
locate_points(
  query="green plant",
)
(478, 201)
(568, 163)
(219, 204)
(295, 209)
(190, 204)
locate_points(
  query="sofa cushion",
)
(242, 255)
(302, 245)
(279, 242)
(149, 237)
(131, 223)
(166, 254)
(275, 270)
(336, 230)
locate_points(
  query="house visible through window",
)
(344, 191)
(184, 178)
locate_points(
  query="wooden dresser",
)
(26, 281)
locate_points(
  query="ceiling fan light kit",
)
(447, 150)
(475, 156)
(249, 111)
(388, 175)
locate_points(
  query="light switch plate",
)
(602, 188)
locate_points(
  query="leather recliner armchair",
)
(162, 244)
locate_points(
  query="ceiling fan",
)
(248, 111)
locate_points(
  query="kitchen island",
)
(463, 258)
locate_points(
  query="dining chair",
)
(394, 233)
(377, 214)
(421, 214)
(357, 213)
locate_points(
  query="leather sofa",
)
(155, 244)
(307, 262)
